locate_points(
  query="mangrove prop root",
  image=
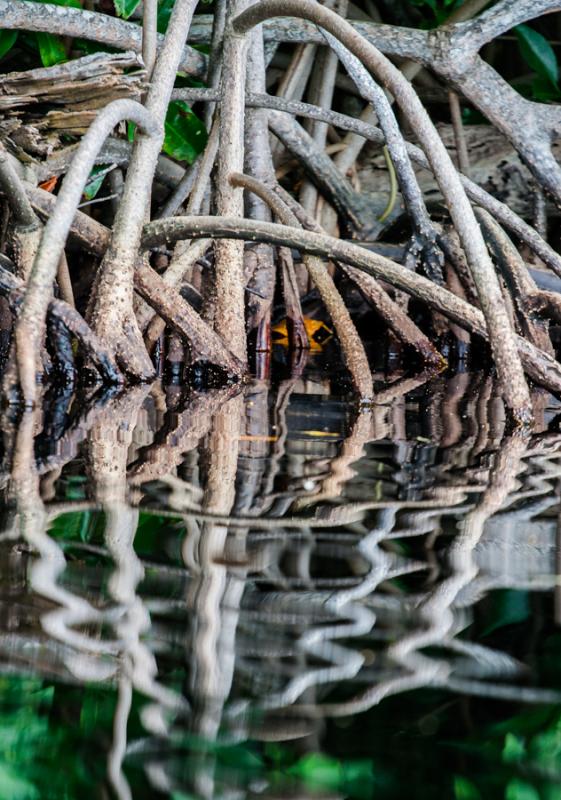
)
(501, 335)
(538, 365)
(242, 261)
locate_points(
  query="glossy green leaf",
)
(538, 53)
(520, 790)
(51, 49)
(165, 7)
(124, 8)
(72, 526)
(185, 134)
(7, 41)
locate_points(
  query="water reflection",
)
(237, 569)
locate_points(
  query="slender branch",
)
(149, 35)
(354, 209)
(391, 312)
(158, 292)
(451, 51)
(259, 164)
(462, 155)
(27, 227)
(412, 195)
(205, 343)
(172, 277)
(321, 93)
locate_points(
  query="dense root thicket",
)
(235, 236)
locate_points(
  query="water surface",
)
(270, 593)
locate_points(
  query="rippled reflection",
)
(205, 587)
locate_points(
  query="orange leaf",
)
(49, 184)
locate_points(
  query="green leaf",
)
(165, 7)
(72, 526)
(125, 8)
(520, 790)
(318, 770)
(93, 185)
(465, 789)
(7, 41)
(14, 787)
(544, 91)
(185, 134)
(507, 607)
(538, 53)
(514, 749)
(51, 49)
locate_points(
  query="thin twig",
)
(149, 34)
(462, 154)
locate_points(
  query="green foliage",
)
(7, 41)
(51, 48)
(43, 755)
(506, 607)
(73, 526)
(124, 8)
(464, 789)
(185, 134)
(320, 772)
(521, 790)
(95, 181)
(538, 53)
(165, 7)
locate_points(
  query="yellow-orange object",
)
(49, 184)
(318, 333)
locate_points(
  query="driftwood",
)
(66, 97)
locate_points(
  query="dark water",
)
(273, 595)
